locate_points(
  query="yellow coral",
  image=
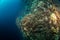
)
(53, 18)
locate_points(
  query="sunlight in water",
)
(1, 2)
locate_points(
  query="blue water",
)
(9, 10)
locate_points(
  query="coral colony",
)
(42, 21)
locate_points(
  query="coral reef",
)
(42, 21)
